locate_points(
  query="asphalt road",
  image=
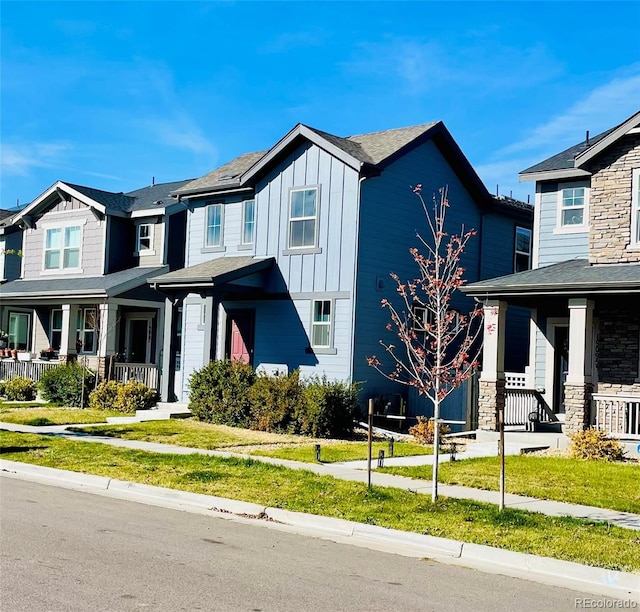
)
(63, 551)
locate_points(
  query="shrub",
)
(19, 389)
(423, 431)
(274, 401)
(218, 392)
(595, 445)
(63, 384)
(329, 410)
(3, 387)
(122, 397)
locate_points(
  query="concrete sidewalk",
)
(354, 471)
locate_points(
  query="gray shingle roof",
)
(573, 276)
(108, 285)
(155, 196)
(219, 270)
(110, 200)
(512, 204)
(226, 175)
(565, 159)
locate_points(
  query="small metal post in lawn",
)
(501, 452)
(370, 440)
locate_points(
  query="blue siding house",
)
(289, 252)
(583, 290)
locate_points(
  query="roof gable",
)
(569, 162)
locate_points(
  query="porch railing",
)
(523, 406)
(618, 415)
(146, 373)
(10, 368)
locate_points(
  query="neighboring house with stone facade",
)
(82, 289)
(583, 290)
(289, 253)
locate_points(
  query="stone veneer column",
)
(491, 397)
(577, 404)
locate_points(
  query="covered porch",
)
(584, 359)
(112, 324)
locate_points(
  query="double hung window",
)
(144, 245)
(572, 206)
(303, 218)
(87, 330)
(248, 221)
(321, 324)
(522, 258)
(62, 248)
(635, 208)
(213, 236)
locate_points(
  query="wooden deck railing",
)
(618, 415)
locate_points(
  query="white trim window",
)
(144, 241)
(2, 258)
(635, 208)
(62, 248)
(321, 324)
(303, 217)
(573, 207)
(522, 256)
(248, 221)
(87, 330)
(19, 331)
(213, 235)
(55, 329)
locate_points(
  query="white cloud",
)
(20, 159)
(601, 109)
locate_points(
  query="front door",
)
(139, 331)
(240, 329)
(560, 366)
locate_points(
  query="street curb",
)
(545, 570)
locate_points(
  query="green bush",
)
(274, 402)
(3, 387)
(63, 384)
(424, 431)
(595, 445)
(122, 397)
(19, 389)
(329, 410)
(218, 392)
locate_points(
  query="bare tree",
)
(438, 346)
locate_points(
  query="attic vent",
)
(227, 177)
(158, 203)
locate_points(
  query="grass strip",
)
(191, 433)
(41, 416)
(592, 483)
(595, 544)
(344, 451)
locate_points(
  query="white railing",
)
(520, 405)
(10, 368)
(146, 373)
(618, 415)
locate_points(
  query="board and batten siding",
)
(390, 215)
(554, 244)
(91, 249)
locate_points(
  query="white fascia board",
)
(551, 175)
(160, 211)
(58, 185)
(305, 132)
(625, 128)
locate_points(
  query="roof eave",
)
(550, 175)
(609, 139)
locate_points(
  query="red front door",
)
(240, 335)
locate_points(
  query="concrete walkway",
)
(355, 471)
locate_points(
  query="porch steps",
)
(163, 411)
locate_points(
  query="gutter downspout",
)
(355, 279)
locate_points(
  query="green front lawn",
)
(299, 490)
(343, 451)
(190, 433)
(43, 414)
(593, 483)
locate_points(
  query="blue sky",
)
(111, 94)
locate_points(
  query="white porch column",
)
(209, 328)
(491, 394)
(580, 341)
(69, 331)
(221, 332)
(495, 313)
(107, 330)
(167, 374)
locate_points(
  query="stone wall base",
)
(577, 404)
(491, 399)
